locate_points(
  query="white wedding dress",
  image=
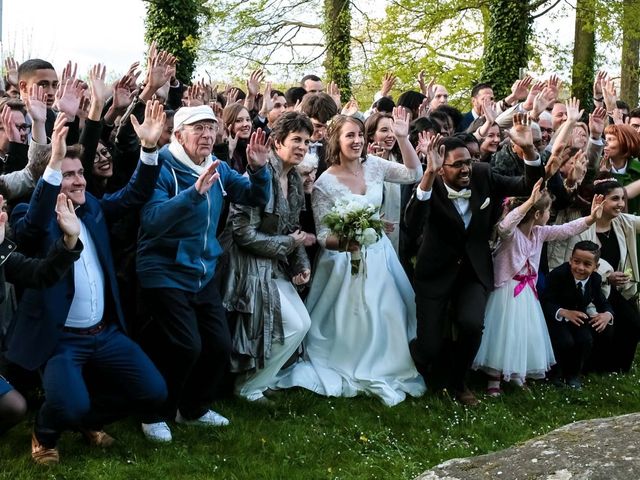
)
(360, 325)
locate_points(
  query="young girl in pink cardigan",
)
(515, 342)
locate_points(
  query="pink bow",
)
(524, 281)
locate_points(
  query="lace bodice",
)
(328, 188)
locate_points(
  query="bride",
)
(361, 324)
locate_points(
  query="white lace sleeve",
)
(321, 202)
(395, 172)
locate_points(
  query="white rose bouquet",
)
(355, 221)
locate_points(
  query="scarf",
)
(179, 154)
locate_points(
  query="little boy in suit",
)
(574, 328)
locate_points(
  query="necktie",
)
(465, 193)
(579, 289)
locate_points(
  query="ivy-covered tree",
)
(507, 46)
(584, 53)
(176, 26)
(337, 28)
(630, 52)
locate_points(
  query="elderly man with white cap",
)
(187, 336)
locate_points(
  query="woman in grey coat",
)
(267, 261)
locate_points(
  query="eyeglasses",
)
(459, 164)
(200, 128)
(25, 127)
(103, 153)
(546, 130)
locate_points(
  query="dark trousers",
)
(572, 345)
(464, 308)
(626, 333)
(92, 380)
(188, 339)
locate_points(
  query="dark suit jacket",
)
(445, 241)
(561, 292)
(42, 314)
(467, 120)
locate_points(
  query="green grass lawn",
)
(311, 437)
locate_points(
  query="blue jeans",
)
(92, 380)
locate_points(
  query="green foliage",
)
(337, 37)
(281, 36)
(176, 25)
(311, 437)
(507, 49)
(444, 38)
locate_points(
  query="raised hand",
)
(232, 96)
(67, 220)
(541, 102)
(520, 133)
(11, 71)
(489, 111)
(388, 81)
(69, 72)
(427, 89)
(257, 151)
(195, 96)
(160, 70)
(434, 152)
(424, 108)
(596, 122)
(579, 169)
(253, 83)
(520, 88)
(535, 89)
(99, 90)
(267, 101)
(150, 130)
(421, 148)
(351, 108)
(610, 95)
(574, 114)
(9, 126)
(601, 76)
(401, 118)
(536, 193)
(334, 92)
(36, 103)
(618, 117)
(553, 84)
(58, 141)
(597, 204)
(121, 94)
(207, 178)
(68, 97)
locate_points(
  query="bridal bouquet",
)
(355, 220)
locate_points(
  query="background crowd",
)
(164, 244)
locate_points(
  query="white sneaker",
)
(157, 432)
(209, 419)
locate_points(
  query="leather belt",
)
(94, 330)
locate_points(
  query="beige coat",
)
(626, 228)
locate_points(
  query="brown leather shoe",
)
(43, 455)
(467, 398)
(98, 438)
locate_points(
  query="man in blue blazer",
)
(74, 332)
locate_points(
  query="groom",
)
(454, 208)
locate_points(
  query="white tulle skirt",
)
(515, 342)
(360, 329)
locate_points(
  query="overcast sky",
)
(59, 30)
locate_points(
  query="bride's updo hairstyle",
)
(333, 137)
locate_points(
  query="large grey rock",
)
(602, 449)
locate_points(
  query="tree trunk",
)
(337, 27)
(584, 54)
(507, 47)
(630, 50)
